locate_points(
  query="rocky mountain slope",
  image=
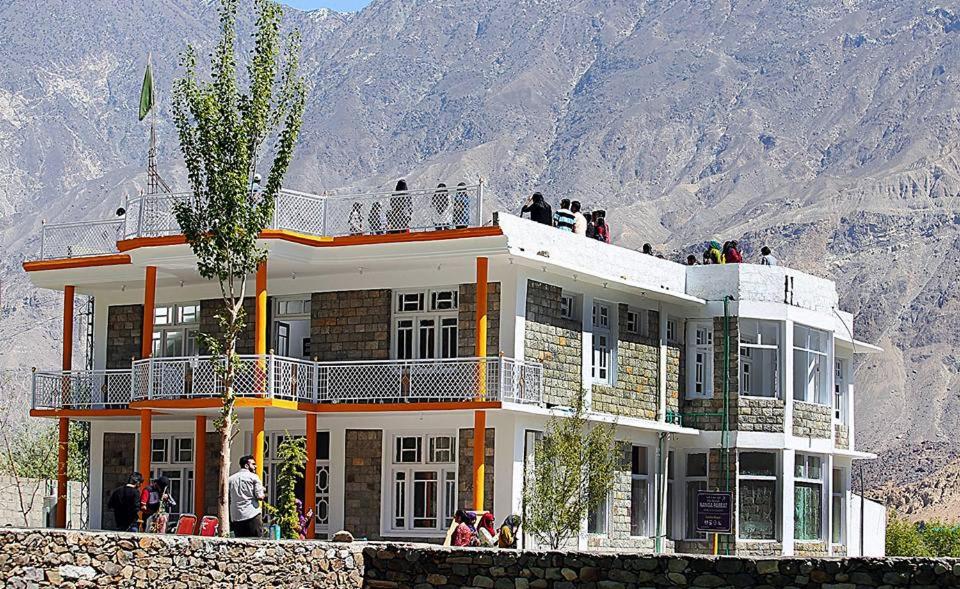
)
(825, 129)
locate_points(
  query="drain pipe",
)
(725, 434)
(663, 457)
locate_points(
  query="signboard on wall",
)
(715, 512)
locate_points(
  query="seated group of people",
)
(568, 217)
(469, 532)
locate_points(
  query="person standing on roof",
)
(579, 221)
(563, 219)
(539, 210)
(767, 258)
(715, 252)
(731, 253)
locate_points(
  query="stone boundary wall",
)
(47, 558)
(25, 498)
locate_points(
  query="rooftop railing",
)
(277, 377)
(332, 215)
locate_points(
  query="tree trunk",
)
(226, 432)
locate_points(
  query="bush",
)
(936, 538)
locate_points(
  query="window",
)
(423, 489)
(696, 480)
(759, 358)
(635, 323)
(602, 357)
(639, 491)
(172, 457)
(568, 306)
(183, 449)
(757, 500)
(808, 496)
(839, 390)
(837, 492)
(811, 375)
(700, 371)
(597, 518)
(175, 332)
(422, 333)
(298, 307)
(159, 450)
(672, 332)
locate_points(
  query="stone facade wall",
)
(467, 320)
(210, 325)
(27, 495)
(756, 414)
(395, 566)
(124, 332)
(350, 325)
(675, 376)
(361, 505)
(119, 461)
(812, 420)
(636, 391)
(809, 549)
(212, 481)
(57, 558)
(618, 527)
(554, 341)
(465, 467)
(841, 436)
(693, 409)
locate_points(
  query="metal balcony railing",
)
(277, 377)
(331, 215)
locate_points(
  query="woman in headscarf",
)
(716, 252)
(462, 535)
(401, 207)
(441, 204)
(461, 207)
(508, 532)
(485, 531)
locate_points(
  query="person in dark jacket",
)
(125, 503)
(540, 211)
(401, 209)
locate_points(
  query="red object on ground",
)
(209, 525)
(186, 524)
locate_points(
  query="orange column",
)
(258, 419)
(480, 417)
(260, 348)
(310, 472)
(63, 443)
(199, 464)
(146, 350)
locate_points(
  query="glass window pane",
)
(639, 460)
(323, 445)
(757, 508)
(813, 467)
(696, 465)
(692, 488)
(836, 516)
(638, 507)
(172, 344)
(758, 463)
(759, 369)
(425, 499)
(399, 500)
(806, 512)
(837, 480)
(597, 519)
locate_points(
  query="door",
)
(283, 339)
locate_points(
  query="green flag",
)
(146, 93)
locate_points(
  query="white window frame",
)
(604, 509)
(443, 321)
(802, 474)
(602, 357)
(747, 356)
(700, 360)
(838, 492)
(821, 393)
(636, 322)
(776, 493)
(568, 306)
(172, 465)
(841, 369)
(174, 324)
(645, 482)
(446, 479)
(687, 480)
(673, 330)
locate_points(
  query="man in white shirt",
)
(579, 221)
(767, 258)
(246, 492)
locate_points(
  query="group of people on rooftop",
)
(728, 253)
(449, 208)
(569, 217)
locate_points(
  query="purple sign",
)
(714, 512)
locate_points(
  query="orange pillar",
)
(258, 420)
(199, 464)
(480, 417)
(146, 350)
(260, 320)
(63, 443)
(310, 472)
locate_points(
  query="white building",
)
(371, 342)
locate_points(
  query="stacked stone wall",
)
(124, 333)
(811, 420)
(636, 390)
(361, 504)
(705, 414)
(119, 462)
(756, 414)
(841, 436)
(211, 483)
(210, 324)
(554, 341)
(618, 527)
(465, 468)
(350, 325)
(467, 320)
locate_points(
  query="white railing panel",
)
(76, 240)
(81, 389)
(401, 212)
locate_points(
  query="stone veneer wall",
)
(58, 558)
(618, 527)
(715, 403)
(211, 483)
(675, 376)
(636, 391)
(119, 461)
(554, 341)
(124, 329)
(33, 492)
(841, 436)
(809, 548)
(361, 505)
(350, 325)
(467, 320)
(755, 414)
(812, 420)
(465, 468)
(210, 325)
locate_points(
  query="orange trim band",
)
(68, 263)
(138, 242)
(214, 403)
(83, 413)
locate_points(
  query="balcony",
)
(311, 214)
(275, 377)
